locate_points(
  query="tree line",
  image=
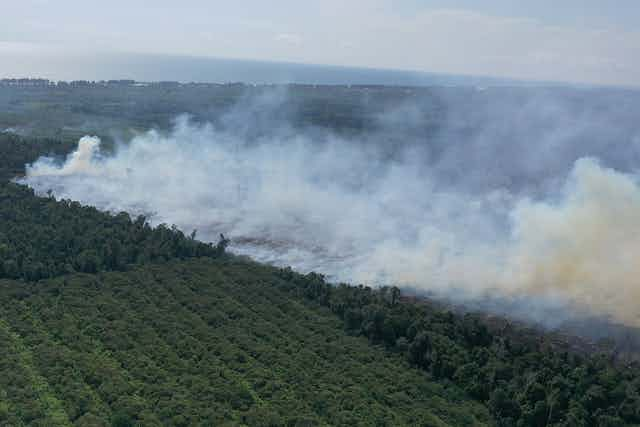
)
(41, 238)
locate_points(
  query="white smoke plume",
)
(80, 161)
(358, 213)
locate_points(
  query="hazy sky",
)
(593, 41)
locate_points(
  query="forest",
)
(41, 238)
(107, 321)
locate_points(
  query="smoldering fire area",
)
(529, 197)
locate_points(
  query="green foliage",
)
(521, 382)
(41, 238)
(208, 341)
(16, 151)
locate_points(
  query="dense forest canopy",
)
(41, 237)
(18, 151)
(203, 342)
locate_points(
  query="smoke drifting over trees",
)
(463, 193)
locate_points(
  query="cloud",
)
(11, 47)
(288, 38)
(473, 43)
(358, 33)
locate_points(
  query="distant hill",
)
(157, 67)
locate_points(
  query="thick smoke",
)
(512, 200)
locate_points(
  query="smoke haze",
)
(464, 195)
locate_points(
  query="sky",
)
(579, 41)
